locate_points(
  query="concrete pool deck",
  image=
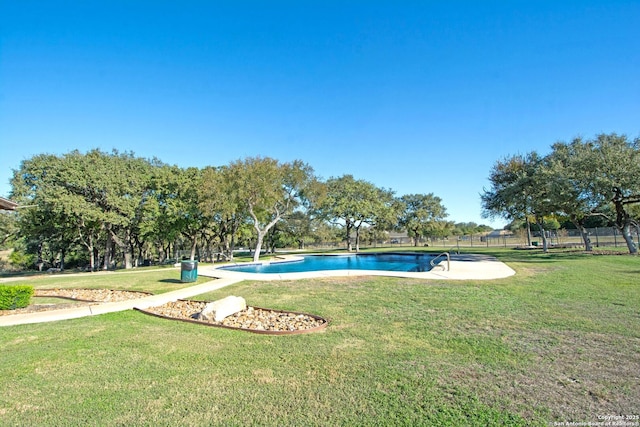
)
(462, 267)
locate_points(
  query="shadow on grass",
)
(630, 272)
(170, 281)
(538, 255)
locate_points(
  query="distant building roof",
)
(500, 233)
(7, 204)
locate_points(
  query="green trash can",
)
(189, 271)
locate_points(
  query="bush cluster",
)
(17, 296)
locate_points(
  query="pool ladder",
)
(442, 255)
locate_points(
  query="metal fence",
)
(600, 237)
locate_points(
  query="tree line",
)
(577, 180)
(105, 208)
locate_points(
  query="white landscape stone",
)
(218, 310)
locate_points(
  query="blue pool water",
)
(387, 262)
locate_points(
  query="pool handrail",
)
(443, 254)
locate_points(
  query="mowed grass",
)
(156, 280)
(559, 341)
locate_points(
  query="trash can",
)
(189, 271)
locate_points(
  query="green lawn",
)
(559, 341)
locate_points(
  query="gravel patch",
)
(76, 297)
(254, 319)
(93, 295)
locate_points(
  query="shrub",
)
(17, 296)
(22, 260)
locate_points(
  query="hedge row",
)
(17, 296)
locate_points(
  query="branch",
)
(622, 199)
(5, 238)
(631, 199)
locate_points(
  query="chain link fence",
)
(600, 237)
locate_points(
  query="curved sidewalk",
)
(110, 307)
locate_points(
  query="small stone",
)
(222, 308)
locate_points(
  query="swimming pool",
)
(381, 261)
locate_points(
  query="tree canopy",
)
(422, 215)
(353, 203)
(578, 180)
(98, 208)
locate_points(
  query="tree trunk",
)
(348, 228)
(40, 262)
(88, 243)
(62, 254)
(628, 238)
(624, 221)
(175, 250)
(261, 233)
(95, 257)
(543, 234)
(107, 252)
(226, 249)
(232, 243)
(140, 255)
(124, 245)
(92, 258)
(258, 248)
(127, 258)
(528, 232)
(208, 250)
(583, 233)
(194, 245)
(271, 241)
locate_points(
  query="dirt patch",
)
(571, 376)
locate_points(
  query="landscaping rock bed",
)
(76, 297)
(91, 295)
(253, 319)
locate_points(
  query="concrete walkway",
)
(110, 307)
(462, 267)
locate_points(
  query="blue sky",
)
(419, 97)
